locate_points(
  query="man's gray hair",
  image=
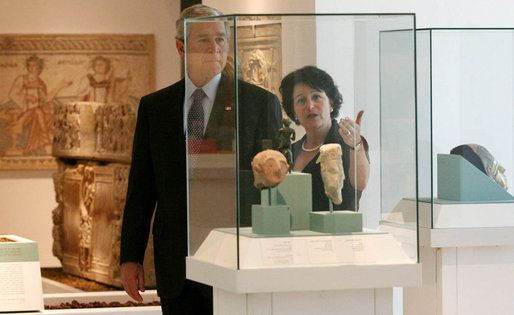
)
(195, 11)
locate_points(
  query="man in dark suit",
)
(157, 181)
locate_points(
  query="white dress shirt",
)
(210, 90)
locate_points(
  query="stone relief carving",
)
(120, 184)
(94, 131)
(256, 68)
(115, 125)
(93, 146)
(87, 190)
(260, 54)
(66, 127)
(57, 213)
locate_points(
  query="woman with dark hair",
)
(311, 99)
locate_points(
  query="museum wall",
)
(27, 198)
(437, 13)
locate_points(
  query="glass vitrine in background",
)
(466, 127)
(372, 61)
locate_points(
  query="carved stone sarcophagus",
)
(93, 144)
(94, 131)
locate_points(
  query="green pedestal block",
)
(336, 222)
(459, 180)
(296, 192)
(271, 220)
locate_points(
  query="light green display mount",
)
(336, 222)
(271, 218)
(296, 192)
(459, 180)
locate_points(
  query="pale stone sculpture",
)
(332, 171)
(94, 131)
(485, 162)
(269, 168)
(92, 143)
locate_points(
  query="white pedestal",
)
(341, 302)
(463, 278)
(310, 274)
(467, 260)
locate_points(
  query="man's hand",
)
(132, 276)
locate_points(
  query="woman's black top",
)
(351, 196)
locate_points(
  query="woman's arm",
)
(359, 167)
(359, 164)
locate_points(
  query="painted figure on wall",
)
(102, 85)
(29, 111)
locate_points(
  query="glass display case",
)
(465, 127)
(291, 221)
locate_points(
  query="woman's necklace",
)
(310, 150)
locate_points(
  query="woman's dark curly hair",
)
(316, 79)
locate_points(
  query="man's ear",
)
(180, 48)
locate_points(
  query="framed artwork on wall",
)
(40, 72)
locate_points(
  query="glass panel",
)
(471, 73)
(398, 129)
(371, 75)
(473, 93)
(424, 121)
(212, 156)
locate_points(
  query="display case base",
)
(302, 274)
(447, 214)
(341, 302)
(301, 262)
(465, 271)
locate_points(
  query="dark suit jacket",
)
(157, 180)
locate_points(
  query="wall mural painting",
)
(40, 72)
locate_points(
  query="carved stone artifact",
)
(260, 53)
(93, 145)
(481, 158)
(332, 171)
(94, 131)
(286, 134)
(269, 168)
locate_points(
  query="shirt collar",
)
(210, 88)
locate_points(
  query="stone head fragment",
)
(269, 168)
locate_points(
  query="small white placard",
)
(321, 250)
(283, 251)
(20, 288)
(277, 251)
(354, 249)
(348, 249)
